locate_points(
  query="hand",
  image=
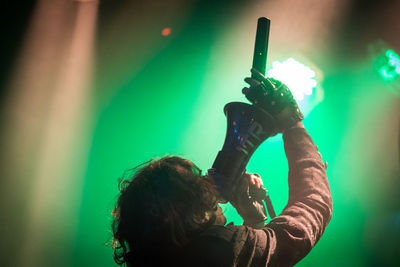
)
(255, 180)
(250, 209)
(275, 98)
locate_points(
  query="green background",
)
(154, 95)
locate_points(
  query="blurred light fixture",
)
(300, 78)
(302, 81)
(386, 64)
(389, 69)
(166, 31)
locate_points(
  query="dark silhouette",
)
(167, 213)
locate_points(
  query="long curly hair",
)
(162, 205)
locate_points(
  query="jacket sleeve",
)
(291, 235)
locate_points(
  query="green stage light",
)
(389, 68)
(386, 64)
(298, 77)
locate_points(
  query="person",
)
(167, 213)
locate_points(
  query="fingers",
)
(257, 91)
(270, 83)
(251, 81)
(253, 84)
(256, 180)
(258, 75)
(258, 88)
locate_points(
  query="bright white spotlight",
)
(297, 76)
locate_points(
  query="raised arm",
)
(291, 235)
(303, 221)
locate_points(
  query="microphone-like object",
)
(261, 45)
(248, 127)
